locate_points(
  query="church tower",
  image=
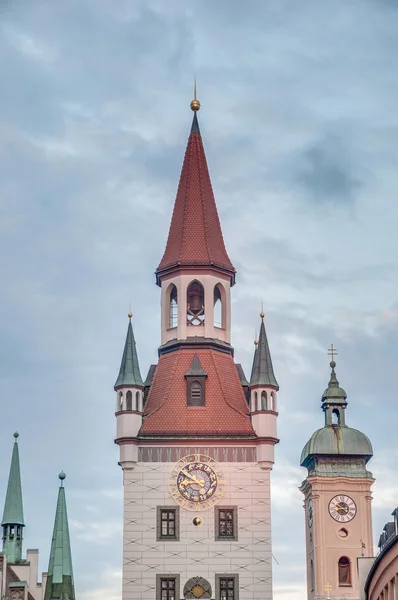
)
(197, 454)
(337, 500)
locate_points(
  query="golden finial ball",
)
(130, 315)
(195, 105)
(262, 315)
(256, 342)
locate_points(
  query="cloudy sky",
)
(300, 124)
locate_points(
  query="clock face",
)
(197, 482)
(310, 513)
(342, 508)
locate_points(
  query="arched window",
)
(273, 401)
(173, 315)
(255, 401)
(312, 576)
(218, 308)
(196, 396)
(345, 572)
(195, 304)
(336, 417)
(137, 401)
(263, 400)
(121, 401)
(129, 401)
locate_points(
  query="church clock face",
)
(197, 482)
(342, 508)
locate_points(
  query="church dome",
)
(337, 440)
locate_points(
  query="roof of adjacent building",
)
(13, 507)
(262, 370)
(60, 584)
(241, 375)
(129, 373)
(195, 237)
(226, 412)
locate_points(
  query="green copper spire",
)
(60, 584)
(262, 371)
(352, 447)
(13, 521)
(129, 373)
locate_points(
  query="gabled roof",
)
(60, 584)
(195, 237)
(13, 508)
(129, 373)
(262, 370)
(225, 414)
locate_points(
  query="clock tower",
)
(196, 438)
(337, 500)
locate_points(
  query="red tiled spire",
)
(195, 236)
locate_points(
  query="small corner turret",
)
(13, 520)
(263, 396)
(129, 389)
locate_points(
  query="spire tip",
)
(195, 104)
(16, 435)
(62, 476)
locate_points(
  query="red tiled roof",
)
(195, 236)
(226, 412)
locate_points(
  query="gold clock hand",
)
(345, 508)
(193, 478)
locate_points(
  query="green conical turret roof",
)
(262, 371)
(60, 584)
(129, 373)
(13, 508)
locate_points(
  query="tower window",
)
(129, 401)
(312, 576)
(218, 308)
(173, 315)
(226, 525)
(263, 400)
(195, 304)
(196, 395)
(168, 523)
(167, 587)
(137, 401)
(336, 417)
(227, 587)
(344, 572)
(121, 401)
(255, 401)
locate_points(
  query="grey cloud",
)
(326, 174)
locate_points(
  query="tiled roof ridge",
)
(166, 390)
(207, 233)
(225, 392)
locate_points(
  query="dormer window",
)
(196, 395)
(196, 378)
